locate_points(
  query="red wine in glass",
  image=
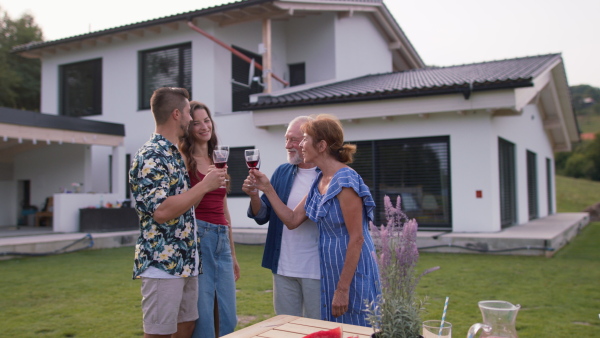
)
(252, 164)
(220, 165)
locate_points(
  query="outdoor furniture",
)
(46, 214)
(292, 326)
(108, 219)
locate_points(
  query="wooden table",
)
(285, 326)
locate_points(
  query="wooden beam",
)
(138, 32)
(173, 25)
(154, 29)
(267, 65)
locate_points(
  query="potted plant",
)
(396, 313)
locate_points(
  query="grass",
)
(574, 195)
(91, 294)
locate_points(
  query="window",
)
(416, 169)
(164, 67)
(237, 170)
(241, 89)
(508, 203)
(532, 194)
(549, 185)
(297, 74)
(81, 88)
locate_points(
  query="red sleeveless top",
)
(210, 208)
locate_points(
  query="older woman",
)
(220, 269)
(341, 205)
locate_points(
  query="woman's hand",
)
(339, 304)
(236, 270)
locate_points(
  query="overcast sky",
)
(444, 32)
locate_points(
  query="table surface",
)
(284, 326)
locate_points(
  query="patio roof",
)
(22, 130)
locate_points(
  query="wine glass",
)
(252, 159)
(220, 156)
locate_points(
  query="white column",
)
(118, 172)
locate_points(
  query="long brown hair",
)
(188, 144)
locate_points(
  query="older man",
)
(292, 255)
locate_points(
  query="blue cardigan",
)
(282, 181)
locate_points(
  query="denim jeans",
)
(216, 280)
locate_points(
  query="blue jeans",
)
(215, 282)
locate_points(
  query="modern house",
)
(469, 148)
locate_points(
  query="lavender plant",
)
(396, 313)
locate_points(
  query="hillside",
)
(586, 103)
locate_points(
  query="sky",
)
(443, 32)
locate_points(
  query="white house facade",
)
(468, 153)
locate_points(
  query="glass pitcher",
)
(498, 320)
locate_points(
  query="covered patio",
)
(48, 157)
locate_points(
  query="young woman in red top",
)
(220, 269)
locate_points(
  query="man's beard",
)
(294, 158)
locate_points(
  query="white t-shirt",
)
(299, 256)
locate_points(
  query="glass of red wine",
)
(252, 159)
(220, 156)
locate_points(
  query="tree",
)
(19, 76)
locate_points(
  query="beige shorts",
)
(166, 302)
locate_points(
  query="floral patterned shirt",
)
(157, 172)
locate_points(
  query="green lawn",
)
(91, 294)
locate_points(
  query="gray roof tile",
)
(510, 73)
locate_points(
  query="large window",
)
(297, 74)
(243, 87)
(237, 170)
(532, 186)
(81, 88)
(164, 67)
(549, 186)
(417, 170)
(508, 183)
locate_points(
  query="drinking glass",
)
(431, 329)
(220, 156)
(252, 159)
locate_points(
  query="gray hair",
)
(301, 118)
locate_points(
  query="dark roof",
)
(142, 24)
(33, 119)
(511, 73)
(163, 20)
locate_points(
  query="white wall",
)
(527, 132)
(360, 48)
(312, 40)
(9, 208)
(51, 168)
(66, 214)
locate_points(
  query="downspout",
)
(232, 50)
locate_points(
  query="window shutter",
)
(506, 154)
(415, 169)
(240, 70)
(532, 194)
(165, 67)
(81, 88)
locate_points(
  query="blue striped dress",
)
(333, 242)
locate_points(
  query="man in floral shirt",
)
(166, 253)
